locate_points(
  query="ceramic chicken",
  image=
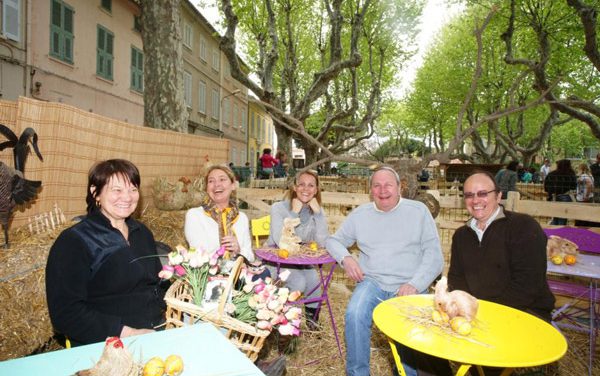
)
(454, 303)
(115, 361)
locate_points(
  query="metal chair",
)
(260, 227)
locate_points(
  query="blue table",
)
(205, 351)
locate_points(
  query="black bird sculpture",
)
(14, 188)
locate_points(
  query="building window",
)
(216, 59)
(187, 35)
(11, 19)
(61, 31)
(104, 55)
(235, 115)
(203, 48)
(215, 104)
(226, 111)
(106, 5)
(252, 131)
(202, 97)
(137, 23)
(234, 156)
(137, 69)
(187, 88)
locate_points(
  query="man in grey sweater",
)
(400, 254)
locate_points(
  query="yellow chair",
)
(261, 227)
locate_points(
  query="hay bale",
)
(24, 322)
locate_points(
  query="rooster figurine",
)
(14, 188)
(115, 361)
(454, 303)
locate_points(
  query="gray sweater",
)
(396, 247)
(312, 227)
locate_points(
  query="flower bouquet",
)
(267, 305)
(193, 266)
(181, 298)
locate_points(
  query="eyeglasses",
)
(480, 194)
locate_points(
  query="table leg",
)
(325, 296)
(592, 324)
(396, 357)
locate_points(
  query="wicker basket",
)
(179, 301)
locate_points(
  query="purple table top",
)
(267, 254)
(586, 240)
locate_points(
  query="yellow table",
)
(501, 336)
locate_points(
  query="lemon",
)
(313, 246)
(154, 367)
(461, 325)
(173, 365)
(283, 253)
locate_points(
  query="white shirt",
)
(478, 231)
(202, 232)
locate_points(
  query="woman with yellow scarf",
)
(218, 222)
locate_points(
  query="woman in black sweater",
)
(99, 280)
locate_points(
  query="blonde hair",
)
(227, 172)
(291, 193)
(584, 168)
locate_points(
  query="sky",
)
(435, 15)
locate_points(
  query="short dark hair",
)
(101, 173)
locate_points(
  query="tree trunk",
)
(164, 105)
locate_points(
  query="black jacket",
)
(507, 267)
(96, 282)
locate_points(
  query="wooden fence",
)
(71, 140)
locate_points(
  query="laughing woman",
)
(218, 221)
(304, 202)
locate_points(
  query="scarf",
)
(225, 218)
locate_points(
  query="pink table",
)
(270, 255)
(588, 267)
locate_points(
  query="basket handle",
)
(233, 277)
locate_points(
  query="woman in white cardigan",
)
(218, 221)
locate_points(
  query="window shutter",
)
(11, 19)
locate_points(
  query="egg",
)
(173, 365)
(154, 367)
(461, 325)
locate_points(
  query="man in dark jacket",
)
(500, 255)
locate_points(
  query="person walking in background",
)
(585, 184)
(545, 169)
(506, 178)
(267, 163)
(399, 254)
(595, 170)
(558, 185)
(527, 175)
(280, 169)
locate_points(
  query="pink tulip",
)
(221, 251)
(166, 272)
(179, 270)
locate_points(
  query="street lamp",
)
(233, 93)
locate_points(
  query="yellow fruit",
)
(283, 253)
(439, 316)
(313, 246)
(461, 326)
(557, 260)
(570, 259)
(173, 365)
(154, 367)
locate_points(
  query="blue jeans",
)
(359, 320)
